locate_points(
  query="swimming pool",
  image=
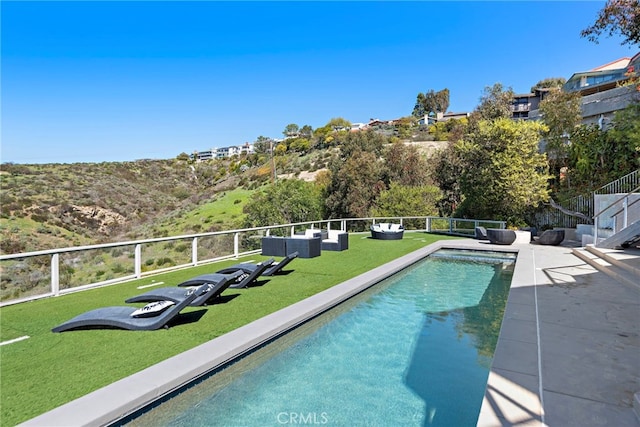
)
(413, 350)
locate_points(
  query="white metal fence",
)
(33, 275)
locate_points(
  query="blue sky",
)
(120, 81)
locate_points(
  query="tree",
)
(405, 200)
(599, 156)
(495, 103)
(286, 201)
(300, 145)
(338, 123)
(617, 17)
(431, 103)
(549, 83)
(446, 168)
(405, 165)
(503, 174)
(356, 181)
(562, 114)
(280, 149)
(183, 157)
(291, 130)
(367, 140)
(262, 144)
(306, 132)
(625, 135)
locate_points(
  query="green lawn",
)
(49, 369)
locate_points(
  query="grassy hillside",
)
(59, 205)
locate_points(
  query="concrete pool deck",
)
(569, 347)
(568, 352)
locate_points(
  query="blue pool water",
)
(415, 350)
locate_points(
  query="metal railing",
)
(621, 185)
(34, 275)
(624, 211)
(556, 218)
(585, 204)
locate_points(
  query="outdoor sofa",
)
(551, 237)
(499, 236)
(336, 240)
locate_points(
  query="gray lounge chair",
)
(120, 317)
(251, 273)
(215, 285)
(277, 267)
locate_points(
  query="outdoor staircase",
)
(626, 238)
(623, 266)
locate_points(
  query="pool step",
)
(624, 266)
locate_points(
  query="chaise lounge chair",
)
(251, 273)
(122, 317)
(277, 267)
(215, 285)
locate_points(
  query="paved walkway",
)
(569, 347)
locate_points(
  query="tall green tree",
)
(286, 201)
(356, 182)
(503, 174)
(495, 103)
(292, 130)
(620, 17)
(405, 165)
(562, 114)
(446, 166)
(431, 103)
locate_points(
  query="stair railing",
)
(625, 209)
(621, 184)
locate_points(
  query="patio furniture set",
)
(498, 236)
(309, 244)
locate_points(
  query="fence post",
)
(138, 261)
(293, 230)
(427, 224)
(236, 244)
(194, 251)
(625, 205)
(55, 274)
(450, 225)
